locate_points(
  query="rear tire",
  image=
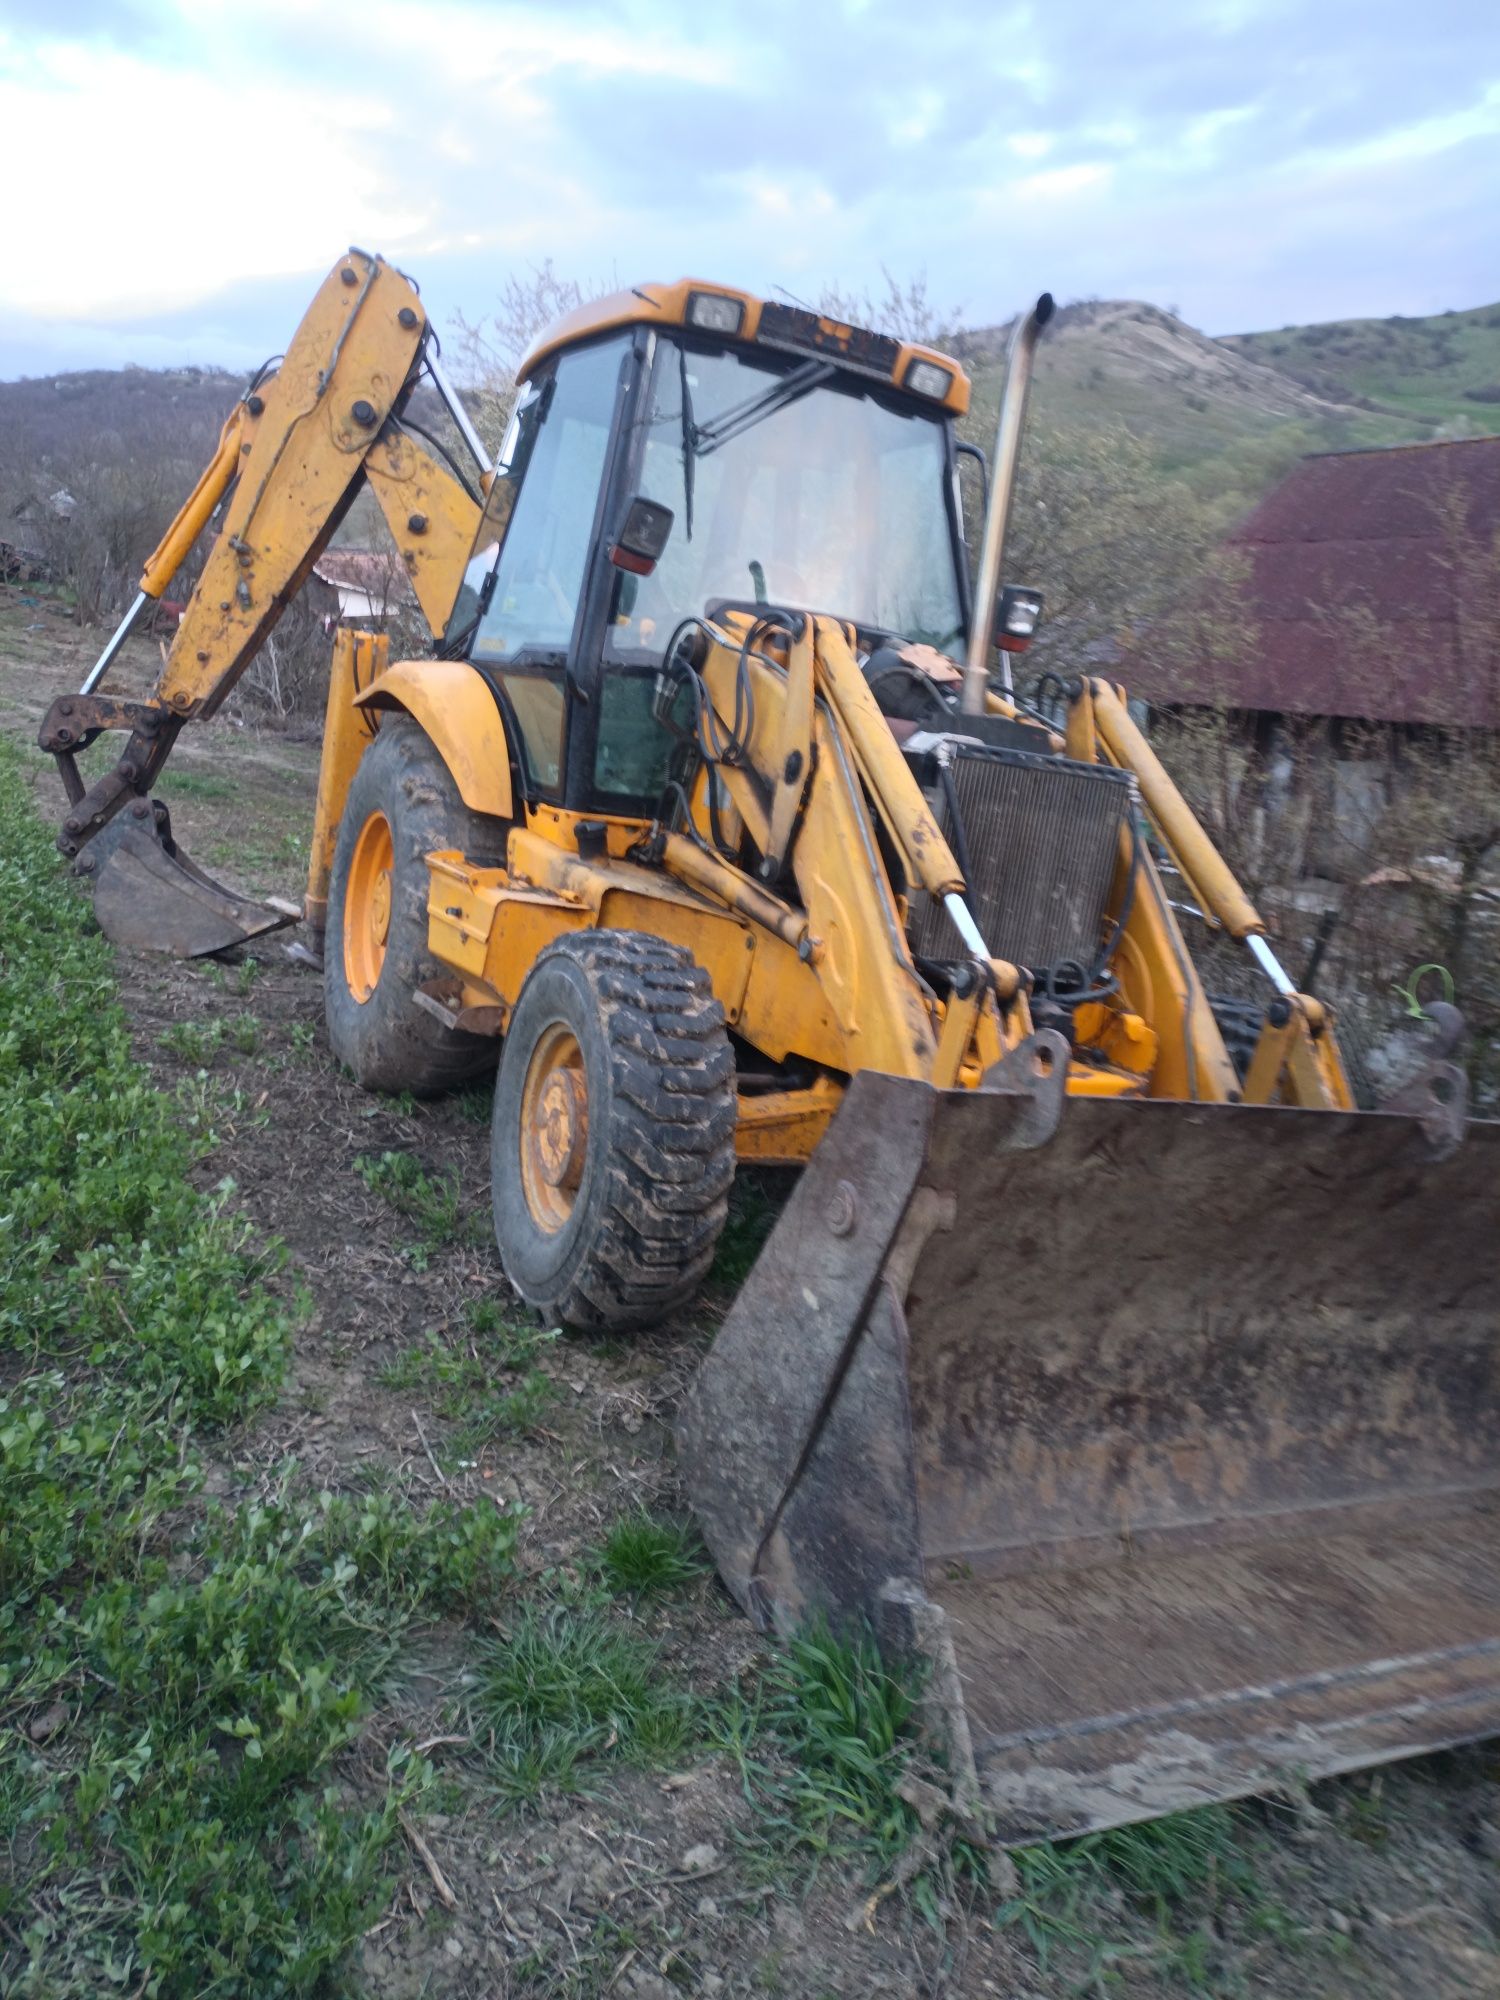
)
(612, 1142)
(402, 804)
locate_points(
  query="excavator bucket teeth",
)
(1170, 1431)
(149, 897)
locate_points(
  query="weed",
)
(303, 1037)
(567, 1684)
(475, 1104)
(190, 1828)
(194, 1042)
(641, 1554)
(432, 1201)
(244, 1034)
(192, 785)
(844, 1718)
(1162, 1869)
(755, 1201)
(491, 1387)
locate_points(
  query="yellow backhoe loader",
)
(1150, 1395)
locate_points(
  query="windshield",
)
(791, 484)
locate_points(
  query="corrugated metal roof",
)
(1372, 590)
(379, 574)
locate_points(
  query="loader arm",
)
(292, 456)
(1297, 1059)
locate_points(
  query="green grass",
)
(198, 785)
(484, 1381)
(845, 1721)
(180, 1682)
(1175, 1875)
(198, 1042)
(434, 1202)
(755, 1201)
(192, 1042)
(1424, 369)
(567, 1687)
(642, 1554)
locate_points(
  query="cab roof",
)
(690, 302)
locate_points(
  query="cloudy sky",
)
(178, 176)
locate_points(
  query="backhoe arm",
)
(1297, 1058)
(289, 463)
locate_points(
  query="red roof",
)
(1370, 588)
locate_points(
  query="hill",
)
(1440, 373)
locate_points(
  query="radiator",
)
(1043, 839)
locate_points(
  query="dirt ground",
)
(652, 1883)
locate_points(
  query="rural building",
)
(371, 584)
(1354, 615)
(1365, 587)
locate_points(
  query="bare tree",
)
(904, 309)
(492, 347)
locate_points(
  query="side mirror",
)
(642, 536)
(1017, 616)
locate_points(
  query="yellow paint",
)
(458, 712)
(869, 993)
(667, 305)
(930, 860)
(1298, 1063)
(432, 520)
(358, 659)
(1123, 1038)
(305, 452)
(781, 1128)
(195, 512)
(1210, 878)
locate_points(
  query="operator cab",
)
(805, 466)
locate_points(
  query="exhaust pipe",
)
(1008, 431)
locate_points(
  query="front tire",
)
(402, 804)
(612, 1142)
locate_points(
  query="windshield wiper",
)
(689, 441)
(708, 437)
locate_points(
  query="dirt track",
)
(650, 1882)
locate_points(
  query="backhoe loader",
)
(1151, 1397)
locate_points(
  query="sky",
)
(179, 174)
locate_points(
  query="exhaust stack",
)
(1008, 430)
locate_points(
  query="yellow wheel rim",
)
(554, 1127)
(367, 906)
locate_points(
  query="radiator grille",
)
(1043, 838)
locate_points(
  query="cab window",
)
(541, 513)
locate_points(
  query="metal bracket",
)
(1438, 1095)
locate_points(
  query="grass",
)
(1422, 368)
(486, 1382)
(198, 785)
(755, 1201)
(845, 1722)
(181, 1683)
(641, 1555)
(566, 1685)
(434, 1202)
(1173, 1873)
(831, 1754)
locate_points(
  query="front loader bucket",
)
(1176, 1433)
(149, 897)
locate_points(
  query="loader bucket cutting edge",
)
(1179, 1427)
(148, 897)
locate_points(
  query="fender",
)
(457, 710)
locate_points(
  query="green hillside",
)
(1443, 371)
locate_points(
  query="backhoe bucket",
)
(149, 897)
(1170, 1432)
